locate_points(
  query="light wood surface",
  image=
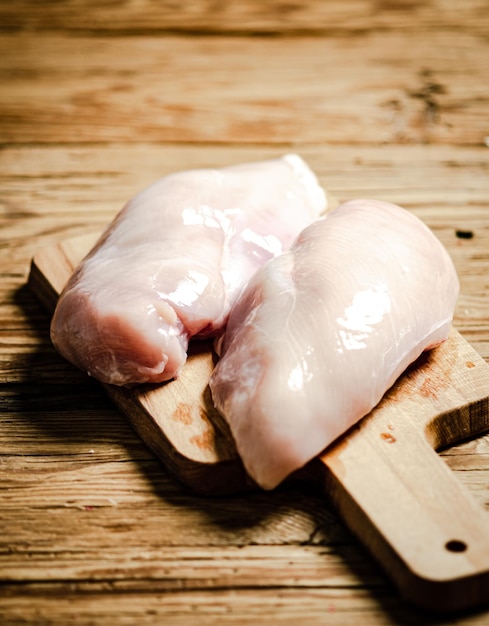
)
(383, 99)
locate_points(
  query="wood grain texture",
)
(414, 86)
(244, 16)
(383, 99)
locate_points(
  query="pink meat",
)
(172, 263)
(321, 332)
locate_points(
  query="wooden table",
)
(97, 99)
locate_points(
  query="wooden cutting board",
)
(384, 476)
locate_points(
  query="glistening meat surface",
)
(321, 332)
(172, 263)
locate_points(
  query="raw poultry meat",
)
(321, 332)
(174, 260)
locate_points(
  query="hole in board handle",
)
(455, 545)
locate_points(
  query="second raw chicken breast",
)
(322, 332)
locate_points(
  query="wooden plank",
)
(103, 506)
(188, 567)
(95, 604)
(54, 180)
(242, 16)
(382, 87)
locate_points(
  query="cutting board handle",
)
(401, 499)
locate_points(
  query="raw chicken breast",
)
(321, 332)
(172, 263)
